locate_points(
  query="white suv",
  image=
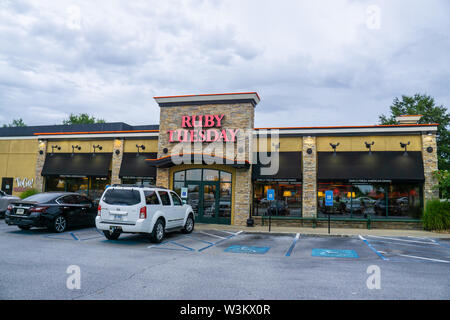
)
(148, 210)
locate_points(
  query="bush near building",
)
(437, 215)
(28, 193)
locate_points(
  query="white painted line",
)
(212, 235)
(239, 232)
(422, 238)
(415, 257)
(297, 236)
(233, 233)
(387, 238)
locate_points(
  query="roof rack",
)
(137, 186)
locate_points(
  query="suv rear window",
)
(122, 197)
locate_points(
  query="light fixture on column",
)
(334, 146)
(369, 146)
(99, 147)
(139, 147)
(404, 146)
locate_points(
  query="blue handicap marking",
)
(333, 253)
(247, 249)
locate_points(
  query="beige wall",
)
(286, 144)
(18, 160)
(382, 143)
(86, 146)
(151, 145)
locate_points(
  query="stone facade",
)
(116, 161)
(39, 179)
(236, 116)
(430, 164)
(309, 201)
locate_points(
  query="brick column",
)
(430, 164)
(116, 161)
(39, 179)
(242, 196)
(309, 201)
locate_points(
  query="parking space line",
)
(388, 238)
(441, 244)
(220, 241)
(181, 245)
(211, 235)
(189, 236)
(372, 248)
(74, 236)
(288, 253)
(423, 258)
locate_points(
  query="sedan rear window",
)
(41, 197)
(122, 197)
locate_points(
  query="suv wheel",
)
(111, 235)
(189, 226)
(59, 224)
(157, 234)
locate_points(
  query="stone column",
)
(162, 177)
(309, 201)
(430, 164)
(42, 153)
(242, 196)
(116, 161)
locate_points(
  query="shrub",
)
(437, 215)
(28, 193)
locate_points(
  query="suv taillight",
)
(143, 213)
(99, 210)
(10, 207)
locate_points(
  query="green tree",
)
(15, 123)
(82, 118)
(425, 105)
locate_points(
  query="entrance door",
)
(7, 185)
(203, 197)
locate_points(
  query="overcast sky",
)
(312, 62)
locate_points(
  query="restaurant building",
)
(380, 176)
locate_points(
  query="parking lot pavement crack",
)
(131, 276)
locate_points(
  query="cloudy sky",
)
(312, 62)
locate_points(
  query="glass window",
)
(82, 200)
(405, 200)
(122, 197)
(194, 175)
(176, 200)
(164, 195)
(55, 184)
(68, 200)
(98, 186)
(179, 176)
(41, 197)
(78, 185)
(210, 175)
(225, 176)
(225, 200)
(151, 198)
(288, 199)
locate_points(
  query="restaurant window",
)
(361, 200)
(288, 199)
(92, 187)
(146, 182)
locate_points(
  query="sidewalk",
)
(340, 232)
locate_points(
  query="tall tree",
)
(82, 118)
(431, 113)
(15, 123)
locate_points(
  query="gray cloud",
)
(313, 63)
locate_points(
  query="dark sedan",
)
(54, 210)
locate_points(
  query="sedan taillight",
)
(38, 209)
(99, 210)
(143, 213)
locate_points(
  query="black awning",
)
(384, 165)
(289, 168)
(135, 166)
(77, 164)
(196, 158)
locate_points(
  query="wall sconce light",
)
(41, 152)
(334, 146)
(117, 151)
(139, 147)
(55, 147)
(404, 146)
(165, 150)
(99, 147)
(75, 147)
(369, 146)
(309, 151)
(430, 149)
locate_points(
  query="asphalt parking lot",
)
(218, 264)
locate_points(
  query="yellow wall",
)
(151, 145)
(18, 159)
(86, 146)
(286, 144)
(382, 143)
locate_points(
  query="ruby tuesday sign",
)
(202, 128)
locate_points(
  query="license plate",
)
(19, 211)
(118, 217)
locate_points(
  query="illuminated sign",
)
(202, 129)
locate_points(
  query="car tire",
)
(111, 235)
(59, 224)
(158, 232)
(189, 226)
(24, 227)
